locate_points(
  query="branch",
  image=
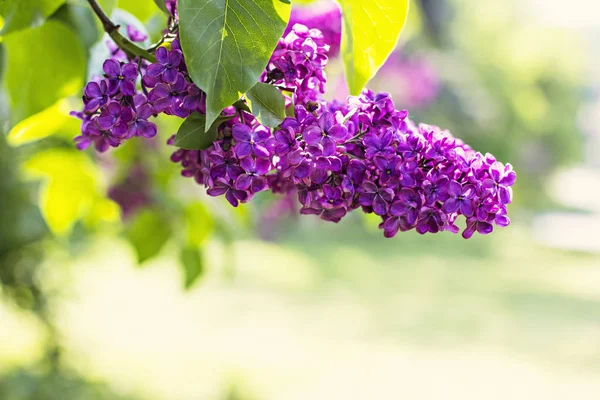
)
(113, 31)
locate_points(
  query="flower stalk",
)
(124, 44)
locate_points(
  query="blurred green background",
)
(176, 295)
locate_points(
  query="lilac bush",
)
(335, 157)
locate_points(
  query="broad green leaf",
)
(161, 4)
(107, 5)
(69, 187)
(148, 232)
(21, 14)
(369, 35)
(199, 222)
(192, 136)
(267, 104)
(44, 65)
(44, 124)
(81, 19)
(193, 265)
(102, 210)
(141, 9)
(2, 59)
(227, 45)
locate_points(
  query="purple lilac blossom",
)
(298, 64)
(335, 156)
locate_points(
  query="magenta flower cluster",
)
(335, 157)
(298, 64)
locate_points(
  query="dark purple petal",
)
(262, 166)
(111, 68)
(468, 191)
(509, 179)
(231, 198)
(366, 199)
(399, 208)
(505, 194)
(93, 90)
(303, 170)
(451, 205)
(243, 182)
(155, 70)
(454, 189)
(248, 164)
(326, 121)
(387, 194)
(380, 207)
(129, 71)
(217, 191)
(127, 88)
(162, 55)
(328, 146)
(146, 129)
(162, 104)
(411, 216)
(261, 133)
(261, 151)
(175, 57)
(170, 75)
(338, 132)
(241, 133)
(466, 208)
(380, 162)
(312, 135)
(160, 91)
(243, 149)
(484, 227)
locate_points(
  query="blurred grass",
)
(335, 309)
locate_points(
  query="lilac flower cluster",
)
(116, 110)
(334, 156)
(371, 156)
(113, 110)
(236, 164)
(325, 16)
(298, 64)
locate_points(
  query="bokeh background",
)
(270, 305)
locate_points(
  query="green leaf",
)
(81, 19)
(200, 224)
(44, 65)
(227, 45)
(21, 14)
(148, 232)
(141, 9)
(193, 265)
(161, 4)
(370, 33)
(107, 5)
(44, 124)
(267, 103)
(69, 187)
(192, 136)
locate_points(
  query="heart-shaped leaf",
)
(192, 136)
(370, 33)
(227, 45)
